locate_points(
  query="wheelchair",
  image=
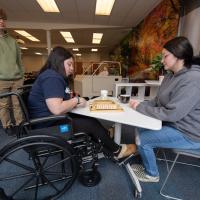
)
(43, 163)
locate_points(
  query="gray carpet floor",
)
(115, 183)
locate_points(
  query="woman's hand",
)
(82, 102)
(133, 103)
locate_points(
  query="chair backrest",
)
(21, 102)
(23, 94)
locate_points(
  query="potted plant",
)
(157, 66)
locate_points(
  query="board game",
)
(105, 106)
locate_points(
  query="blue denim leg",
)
(167, 137)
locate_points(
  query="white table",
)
(128, 116)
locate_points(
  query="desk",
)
(128, 116)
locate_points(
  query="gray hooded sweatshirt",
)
(177, 102)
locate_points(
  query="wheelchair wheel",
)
(37, 167)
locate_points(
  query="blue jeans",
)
(167, 137)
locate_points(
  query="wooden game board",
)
(105, 106)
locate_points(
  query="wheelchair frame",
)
(78, 155)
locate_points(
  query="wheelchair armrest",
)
(52, 118)
(7, 94)
(25, 87)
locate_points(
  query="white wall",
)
(92, 57)
(35, 62)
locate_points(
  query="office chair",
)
(191, 153)
(43, 163)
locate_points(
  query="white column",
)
(191, 29)
(48, 41)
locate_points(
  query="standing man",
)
(11, 76)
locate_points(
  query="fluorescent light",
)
(96, 41)
(38, 53)
(75, 49)
(97, 35)
(67, 36)
(69, 40)
(104, 7)
(94, 50)
(78, 54)
(23, 48)
(27, 35)
(48, 5)
(97, 38)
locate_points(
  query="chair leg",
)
(166, 179)
(166, 161)
(163, 159)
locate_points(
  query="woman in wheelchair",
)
(50, 94)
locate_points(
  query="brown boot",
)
(126, 150)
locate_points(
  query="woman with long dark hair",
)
(177, 104)
(50, 94)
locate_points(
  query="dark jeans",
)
(87, 125)
(93, 128)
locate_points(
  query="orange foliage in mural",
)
(149, 36)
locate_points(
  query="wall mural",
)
(145, 41)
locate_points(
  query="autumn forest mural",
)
(145, 41)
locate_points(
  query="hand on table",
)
(82, 102)
(133, 103)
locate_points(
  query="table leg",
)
(117, 135)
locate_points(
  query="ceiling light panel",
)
(94, 50)
(104, 7)
(38, 53)
(97, 35)
(67, 36)
(96, 41)
(75, 49)
(27, 35)
(23, 48)
(97, 38)
(48, 5)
